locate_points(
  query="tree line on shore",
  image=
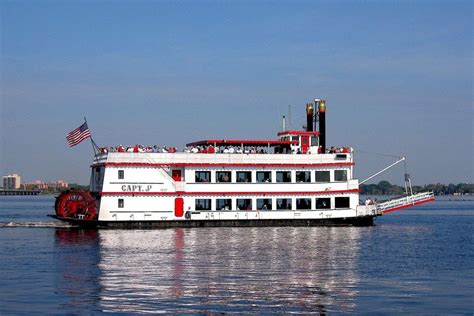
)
(386, 188)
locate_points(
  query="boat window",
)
(303, 204)
(121, 174)
(323, 203)
(283, 176)
(314, 141)
(322, 176)
(264, 176)
(244, 176)
(283, 204)
(244, 204)
(341, 202)
(264, 204)
(203, 204)
(224, 176)
(340, 175)
(295, 138)
(203, 176)
(120, 203)
(303, 176)
(223, 204)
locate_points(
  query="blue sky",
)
(397, 77)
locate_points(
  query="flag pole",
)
(95, 148)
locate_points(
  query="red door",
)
(178, 207)
(304, 144)
(176, 174)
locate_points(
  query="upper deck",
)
(221, 159)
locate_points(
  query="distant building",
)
(41, 185)
(11, 182)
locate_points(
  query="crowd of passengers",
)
(207, 150)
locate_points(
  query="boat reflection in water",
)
(274, 269)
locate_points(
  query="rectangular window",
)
(244, 176)
(283, 176)
(322, 176)
(303, 204)
(121, 174)
(295, 138)
(223, 204)
(264, 176)
(283, 204)
(223, 176)
(303, 176)
(264, 204)
(244, 204)
(203, 176)
(120, 203)
(340, 175)
(323, 203)
(341, 202)
(314, 141)
(203, 204)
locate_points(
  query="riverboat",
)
(294, 180)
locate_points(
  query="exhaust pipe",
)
(321, 105)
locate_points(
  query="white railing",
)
(404, 201)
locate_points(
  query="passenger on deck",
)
(211, 149)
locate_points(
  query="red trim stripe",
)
(210, 165)
(406, 206)
(179, 193)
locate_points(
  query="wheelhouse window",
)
(264, 176)
(283, 204)
(244, 204)
(203, 204)
(314, 141)
(323, 203)
(341, 202)
(120, 203)
(224, 176)
(203, 176)
(121, 174)
(303, 176)
(264, 204)
(303, 204)
(322, 176)
(223, 204)
(244, 176)
(340, 175)
(283, 176)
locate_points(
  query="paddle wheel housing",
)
(76, 205)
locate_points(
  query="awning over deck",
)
(241, 142)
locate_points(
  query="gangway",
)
(403, 202)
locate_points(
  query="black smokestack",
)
(309, 117)
(321, 104)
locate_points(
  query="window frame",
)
(120, 203)
(308, 206)
(323, 208)
(282, 172)
(219, 208)
(345, 173)
(303, 171)
(204, 207)
(244, 208)
(265, 173)
(286, 208)
(228, 173)
(196, 173)
(121, 174)
(338, 198)
(269, 205)
(322, 171)
(240, 172)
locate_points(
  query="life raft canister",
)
(76, 204)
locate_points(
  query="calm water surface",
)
(414, 261)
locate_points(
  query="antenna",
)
(289, 117)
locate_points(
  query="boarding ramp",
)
(404, 202)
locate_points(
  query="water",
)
(419, 260)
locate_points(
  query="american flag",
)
(78, 135)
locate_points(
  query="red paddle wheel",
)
(77, 205)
